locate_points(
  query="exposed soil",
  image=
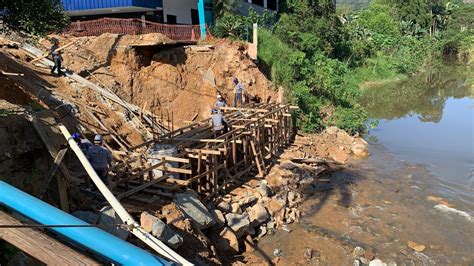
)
(179, 81)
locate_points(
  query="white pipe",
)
(136, 229)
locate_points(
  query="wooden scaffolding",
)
(207, 161)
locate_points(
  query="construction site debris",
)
(258, 214)
(108, 216)
(191, 207)
(239, 223)
(87, 216)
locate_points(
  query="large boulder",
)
(258, 214)
(159, 229)
(191, 207)
(228, 240)
(239, 223)
(108, 216)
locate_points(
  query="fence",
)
(133, 27)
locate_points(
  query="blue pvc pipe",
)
(93, 239)
(202, 18)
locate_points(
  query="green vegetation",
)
(37, 17)
(322, 55)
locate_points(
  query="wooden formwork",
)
(207, 161)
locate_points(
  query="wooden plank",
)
(39, 245)
(57, 50)
(51, 172)
(174, 170)
(142, 187)
(256, 156)
(203, 151)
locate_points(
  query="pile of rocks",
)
(367, 257)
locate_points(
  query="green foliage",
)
(37, 17)
(236, 26)
(223, 7)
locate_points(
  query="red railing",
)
(133, 27)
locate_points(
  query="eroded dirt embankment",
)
(165, 78)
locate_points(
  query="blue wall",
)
(71, 5)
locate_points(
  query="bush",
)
(37, 17)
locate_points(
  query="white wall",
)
(179, 8)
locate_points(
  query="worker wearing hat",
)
(220, 103)
(218, 121)
(100, 158)
(83, 143)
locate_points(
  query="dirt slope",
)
(165, 77)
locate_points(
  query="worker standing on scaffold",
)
(218, 122)
(238, 92)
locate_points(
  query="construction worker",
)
(84, 144)
(218, 121)
(56, 57)
(100, 158)
(238, 92)
(220, 103)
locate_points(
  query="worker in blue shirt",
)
(100, 158)
(220, 103)
(238, 92)
(84, 144)
(218, 121)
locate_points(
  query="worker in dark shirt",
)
(100, 158)
(56, 57)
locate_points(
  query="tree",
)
(38, 17)
(222, 7)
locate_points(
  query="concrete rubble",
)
(108, 217)
(191, 207)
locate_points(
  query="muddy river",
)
(416, 191)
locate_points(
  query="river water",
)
(429, 120)
(417, 185)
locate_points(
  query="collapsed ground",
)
(159, 79)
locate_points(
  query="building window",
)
(257, 2)
(194, 17)
(171, 19)
(272, 4)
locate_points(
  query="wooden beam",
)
(41, 246)
(46, 54)
(142, 187)
(51, 172)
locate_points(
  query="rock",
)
(251, 231)
(391, 263)
(108, 216)
(249, 244)
(239, 223)
(278, 253)
(356, 263)
(288, 166)
(247, 200)
(275, 205)
(338, 155)
(377, 262)
(358, 252)
(219, 217)
(192, 208)
(258, 214)
(224, 206)
(308, 254)
(369, 254)
(153, 225)
(415, 246)
(173, 239)
(360, 150)
(264, 190)
(236, 208)
(229, 240)
(86, 216)
(364, 260)
(262, 231)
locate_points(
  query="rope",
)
(59, 225)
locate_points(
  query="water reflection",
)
(423, 95)
(429, 119)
